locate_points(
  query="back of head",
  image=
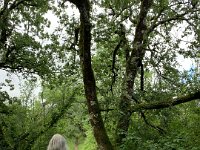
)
(57, 142)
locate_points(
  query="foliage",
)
(130, 61)
(178, 123)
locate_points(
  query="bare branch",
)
(121, 43)
(159, 129)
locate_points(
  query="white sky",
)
(18, 81)
(15, 81)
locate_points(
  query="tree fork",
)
(132, 66)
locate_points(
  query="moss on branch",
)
(166, 103)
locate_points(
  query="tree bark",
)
(132, 65)
(96, 120)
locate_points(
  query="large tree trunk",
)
(96, 120)
(133, 63)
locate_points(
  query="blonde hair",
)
(57, 142)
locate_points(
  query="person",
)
(57, 142)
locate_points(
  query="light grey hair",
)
(57, 142)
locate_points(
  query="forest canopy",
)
(109, 71)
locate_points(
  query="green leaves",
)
(171, 30)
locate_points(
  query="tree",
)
(22, 35)
(127, 52)
(154, 19)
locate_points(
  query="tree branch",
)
(166, 103)
(153, 26)
(176, 17)
(122, 39)
(159, 129)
